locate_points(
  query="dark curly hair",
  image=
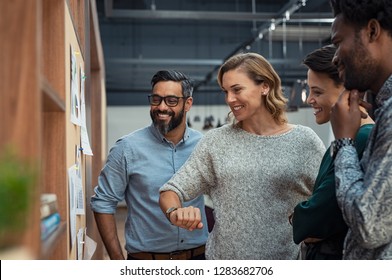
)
(359, 12)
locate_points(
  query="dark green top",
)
(320, 216)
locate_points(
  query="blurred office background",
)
(140, 37)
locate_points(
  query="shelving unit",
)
(35, 108)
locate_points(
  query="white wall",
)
(125, 119)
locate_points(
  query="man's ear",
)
(188, 103)
(373, 30)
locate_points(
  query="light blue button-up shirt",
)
(137, 166)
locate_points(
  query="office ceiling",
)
(140, 37)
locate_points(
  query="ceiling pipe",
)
(117, 14)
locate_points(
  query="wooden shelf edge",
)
(51, 100)
(16, 253)
(48, 245)
(75, 28)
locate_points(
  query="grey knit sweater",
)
(254, 183)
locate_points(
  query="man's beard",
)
(164, 127)
(359, 68)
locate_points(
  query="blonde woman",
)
(255, 170)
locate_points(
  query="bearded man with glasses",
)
(137, 166)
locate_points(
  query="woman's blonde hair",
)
(260, 71)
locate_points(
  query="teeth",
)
(236, 108)
(163, 116)
(316, 111)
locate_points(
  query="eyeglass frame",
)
(164, 99)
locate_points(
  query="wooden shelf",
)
(50, 244)
(35, 104)
(16, 253)
(51, 100)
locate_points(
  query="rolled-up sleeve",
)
(112, 182)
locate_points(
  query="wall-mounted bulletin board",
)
(53, 110)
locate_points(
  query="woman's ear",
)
(265, 88)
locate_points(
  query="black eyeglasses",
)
(170, 100)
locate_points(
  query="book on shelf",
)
(49, 225)
(48, 204)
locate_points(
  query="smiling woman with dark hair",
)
(318, 221)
